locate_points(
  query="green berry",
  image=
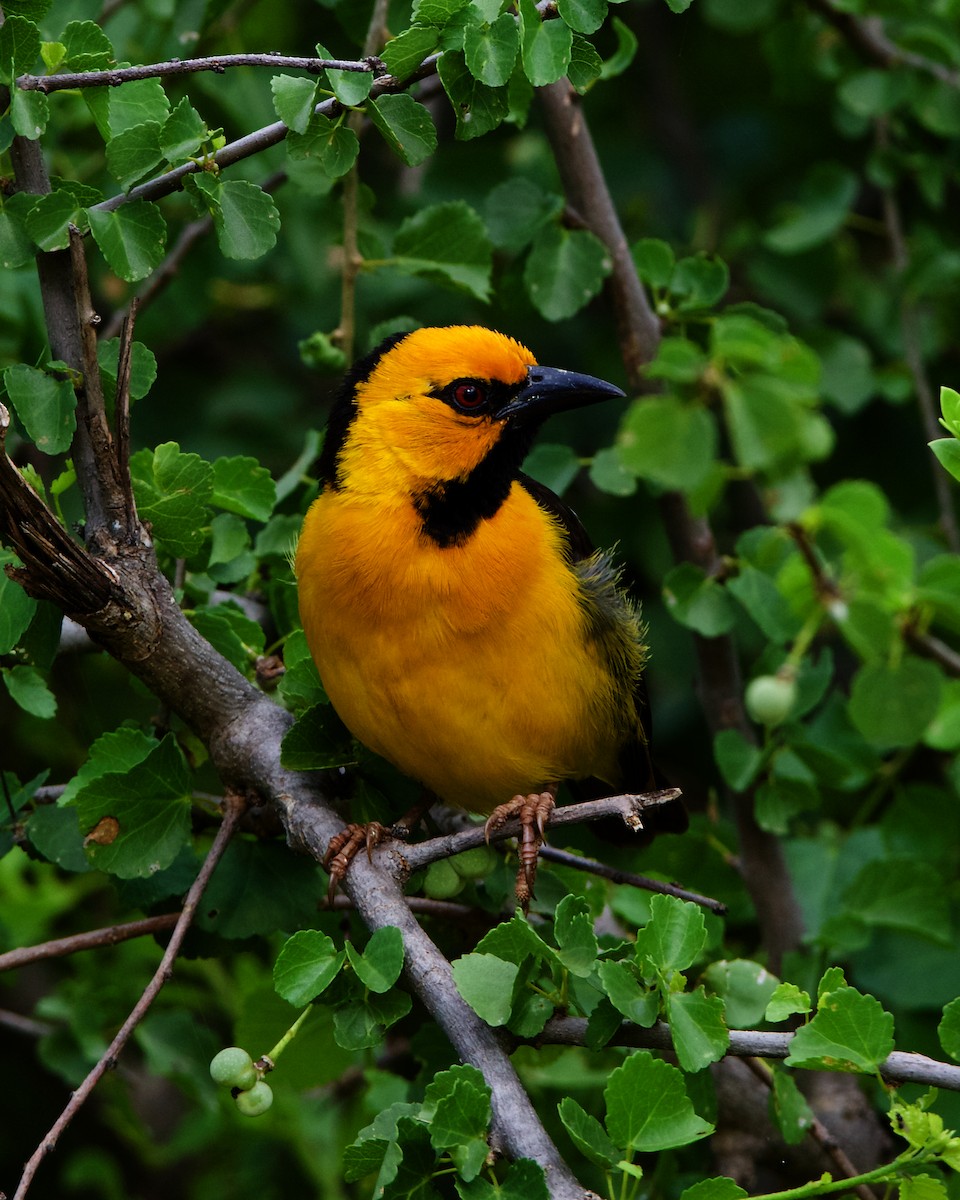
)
(475, 863)
(256, 1100)
(441, 881)
(770, 698)
(233, 1067)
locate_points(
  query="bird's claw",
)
(533, 812)
(346, 845)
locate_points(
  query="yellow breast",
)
(469, 667)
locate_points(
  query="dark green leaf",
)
(379, 967)
(545, 46)
(554, 465)
(820, 210)
(29, 112)
(405, 125)
(671, 444)
(317, 742)
(446, 243)
(457, 1103)
(132, 238)
(949, 1029)
(134, 153)
(587, 1134)
(586, 66)
(565, 269)
(259, 888)
(698, 601)
(183, 133)
(307, 964)
(16, 607)
(490, 51)
(891, 704)
(143, 367)
(19, 47)
(242, 486)
(44, 405)
(628, 995)
(478, 109)
(697, 1028)
(172, 491)
(294, 100)
(674, 936)
(790, 1109)
(29, 690)
(408, 49)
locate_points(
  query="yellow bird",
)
(462, 625)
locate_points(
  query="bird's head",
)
(429, 408)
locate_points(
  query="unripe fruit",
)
(475, 863)
(233, 1067)
(441, 881)
(255, 1101)
(770, 698)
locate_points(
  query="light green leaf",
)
(446, 243)
(406, 126)
(307, 964)
(950, 407)
(949, 1029)
(553, 464)
(648, 1108)
(457, 1104)
(87, 47)
(378, 967)
(584, 16)
(515, 941)
(565, 270)
(294, 100)
(786, 1000)
(577, 942)
(29, 690)
(138, 101)
(44, 405)
(608, 474)
(673, 937)
(490, 51)
(745, 988)
(350, 87)
(29, 112)
(654, 261)
(545, 46)
(246, 220)
(115, 752)
(850, 1032)
(697, 1028)
(132, 238)
(628, 995)
(486, 983)
(718, 1188)
(17, 609)
(790, 1108)
(671, 444)
(624, 54)
(241, 485)
(947, 451)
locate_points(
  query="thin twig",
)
(615, 875)
(122, 412)
(90, 940)
(115, 76)
(233, 809)
(25, 1025)
(818, 1131)
(899, 1067)
(935, 649)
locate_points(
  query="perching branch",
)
(233, 810)
(115, 76)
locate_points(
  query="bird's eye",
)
(469, 396)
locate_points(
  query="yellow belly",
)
(468, 667)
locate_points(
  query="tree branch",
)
(89, 940)
(234, 808)
(116, 76)
(899, 1067)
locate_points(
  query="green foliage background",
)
(789, 197)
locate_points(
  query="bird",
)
(462, 624)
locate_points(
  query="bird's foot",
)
(345, 847)
(534, 812)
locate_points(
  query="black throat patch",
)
(450, 511)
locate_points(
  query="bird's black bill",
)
(550, 390)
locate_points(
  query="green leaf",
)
(307, 964)
(745, 988)
(648, 1108)
(16, 246)
(699, 281)
(134, 153)
(132, 238)
(29, 690)
(317, 742)
(608, 473)
(29, 112)
(624, 54)
(554, 465)
(350, 87)
(244, 215)
(516, 210)
(137, 101)
(515, 941)
(678, 359)
(565, 269)
(673, 445)
(628, 995)
(330, 145)
(947, 451)
(231, 632)
(242, 486)
(404, 54)
(183, 133)
(950, 407)
(738, 760)
(436, 12)
(33, 10)
(584, 16)
(821, 208)
(19, 47)
(949, 1029)
(698, 601)
(922, 1187)
(486, 983)
(587, 1134)
(718, 1188)
(490, 51)
(545, 46)
(901, 893)
(577, 942)
(679, 6)
(765, 603)
(379, 967)
(361, 1024)
(405, 125)
(850, 1032)
(457, 1103)
(115, 752)
(790, 1109)
(294, 100)
(674, 936)
(697, 1028)
(143, 367)
(478, 109)
(787, 999)
(172, 491)
(446, 243)
(44, 405)
(49, 219)
(17, 609)
(146, 810)
(55, 833)
(259, 888)
(586, 65)
(892, 704)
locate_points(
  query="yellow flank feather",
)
(457, 631)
